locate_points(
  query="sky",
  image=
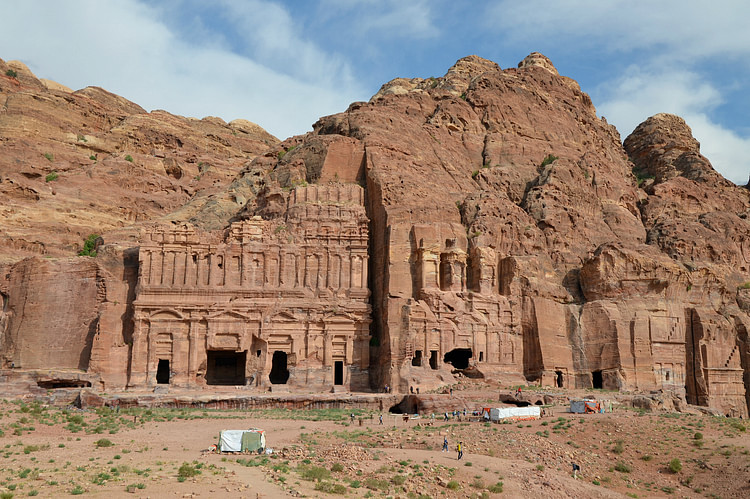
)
(285, 63)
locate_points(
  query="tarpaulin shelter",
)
(250, 440)
(515, 413)
(585, 406)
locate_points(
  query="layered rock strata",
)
(486, 222)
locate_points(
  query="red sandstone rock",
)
(506, 234)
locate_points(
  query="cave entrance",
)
(279, 370)
(225, 368)
(458, 358)
(416, 361)
(338, 372)
(559, 379)
(162, 372)
(433, 359)
(597, 380)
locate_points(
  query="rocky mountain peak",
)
(663, 147)
(535, 59)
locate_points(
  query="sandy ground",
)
(51, 452)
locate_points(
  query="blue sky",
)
(283, 64)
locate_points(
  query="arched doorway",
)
(279, 371)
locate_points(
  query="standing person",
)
(381, 419)
(518, 392)
(460, 450)
(445, 444)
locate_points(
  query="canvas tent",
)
(515, 413)
(250, 440)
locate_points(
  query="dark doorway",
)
(338, 372)
(279, 372)
(416, 361)
(559, 379)
(481, 356)
(596, 379)
(458, 357)
(162, 372)
(225, 368)
(433, 359)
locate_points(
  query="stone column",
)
(192, 366)
(139, 350)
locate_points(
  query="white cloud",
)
(392, 18)
(122, 47)
(676, 29)
(638, 94)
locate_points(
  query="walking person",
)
(381, 419)
(460, 450)
(445, 444)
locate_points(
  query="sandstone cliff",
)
(83, 162)
(511, 235)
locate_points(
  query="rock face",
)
(486, 222)
(83, 162)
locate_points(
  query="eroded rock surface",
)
(508, 235)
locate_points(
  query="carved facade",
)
(266, 303)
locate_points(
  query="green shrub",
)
(675, 466)
(497, 488)
(88, 250)
(92, 157)
(187, 470)
(337, 467)
(453, 485)
(128, 157)
(6, 495)
(103, 442)
(77, 490)
(475, 174)
(618, 448)
(698, 435)
(330, 488)
(548, 159)
(49, 156)
(33, 492)
(51, 177)
(314, 473)
(11, 74)
(398, 480)
(647, 457)
(622, 467)
(373, 483)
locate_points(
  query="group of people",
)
(459, 448)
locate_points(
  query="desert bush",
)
(51, 177)
(187, 470)
(698, 435)
(103, 442)
(314, 473)
(128, 157)
(330, 488)
(453, 485)
(618, 448)
(623, 467)
(548, 159)
(12, 74)
(675, 466)
(337, 467)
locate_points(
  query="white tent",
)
(249, 440)
(519, 413)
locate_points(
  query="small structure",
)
(515, 413)
(250, 440)
(585, 406)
